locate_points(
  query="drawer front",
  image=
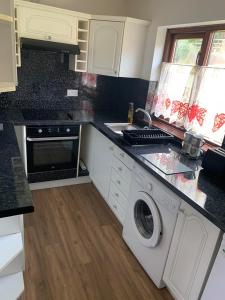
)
(125, 158)
(118, 195)
(117, 209)
(124, 172)
(121, 184)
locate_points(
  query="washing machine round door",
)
(146, 220)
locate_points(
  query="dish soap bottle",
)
(130, 113)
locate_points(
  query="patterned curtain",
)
(192, 97)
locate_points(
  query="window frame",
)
(206, 32)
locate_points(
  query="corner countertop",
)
(15, 195)
(204, 193)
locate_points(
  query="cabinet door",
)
(105, 46)
(102, 162)
(190, 254)
(42, 24)
(8, 75)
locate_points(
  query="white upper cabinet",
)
(116, 46)
(43, 24)
(105, 47)
(8, 75)
(190, 255)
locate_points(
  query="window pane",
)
(186, 51)
(217, 51)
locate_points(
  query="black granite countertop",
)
(204, 193)
(15, 195)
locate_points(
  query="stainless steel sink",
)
(118, 127)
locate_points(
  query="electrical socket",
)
(72, 93)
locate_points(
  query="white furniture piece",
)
(79, 63)
(215, 286)
(12, 257)
(97, 154)
(120, 183)
(150, 221)
(193, 246)
(42, 22)
(8, 74)
(116, 46)
(109, 168)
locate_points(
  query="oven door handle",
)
(45, 139)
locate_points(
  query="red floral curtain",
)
(193, 97)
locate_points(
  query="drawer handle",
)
(118, 181)
(120, 169)
(115, 206)
(117, 195)
(111, 148)
(122, 155)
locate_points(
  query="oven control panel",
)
(53, 131)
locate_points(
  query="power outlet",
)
(72, 93)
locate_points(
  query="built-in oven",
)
(52, 152)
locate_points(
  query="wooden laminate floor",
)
(74, 250)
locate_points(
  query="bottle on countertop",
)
(130, 113)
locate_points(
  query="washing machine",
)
(150, 221)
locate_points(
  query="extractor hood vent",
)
(50, 46)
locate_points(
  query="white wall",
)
(171, 12)
(110, 7)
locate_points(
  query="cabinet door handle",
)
(117, 195)
(122, 155)
(118, 181)
(115, 72)
(115, 206)
(49, 37)
(120, 169)
(111, 148)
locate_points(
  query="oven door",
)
(52, 153)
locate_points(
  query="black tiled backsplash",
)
(44, 80)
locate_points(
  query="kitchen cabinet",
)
(116, 46)
(8, 75)
(41, 22)
(97, 154)
(215, 287)
(12, 257)
(78, 63)
(105, 47)
(192, 248)
(109, 167)
(102, 162)
(120, 183)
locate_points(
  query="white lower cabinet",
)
(190, 255)
(109, 168)
(12, 257)
(97, 154)
(103, 156)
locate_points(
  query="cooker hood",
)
(50, 46)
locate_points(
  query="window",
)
(191, 90)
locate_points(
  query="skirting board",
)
(58, 183)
